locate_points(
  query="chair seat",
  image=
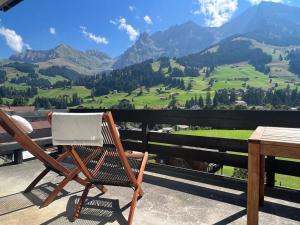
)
(84, 153)
(112, 172)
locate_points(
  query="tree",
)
(207, 73)
(3, 76)
(233, 96)
(177, 72)
(191, 71)
(20, 101)
(172, 103)
(124, 104)
(200, 101)
(208, 99)
(216, 99)
(189, 87)
(76, 100)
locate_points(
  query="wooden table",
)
(266, 141)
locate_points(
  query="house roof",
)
(18, 108)
(7, 4)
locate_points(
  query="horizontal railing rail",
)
(219, 119)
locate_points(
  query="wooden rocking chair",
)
(62, 165)
(113, 167)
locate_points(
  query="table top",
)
(276, 135)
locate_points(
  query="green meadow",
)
(237, 76)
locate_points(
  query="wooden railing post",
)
(270, 177)
(145, 135)
(18, 156)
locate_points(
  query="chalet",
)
(240, 103)
(195, 107)
(182, 127)
(167, 130)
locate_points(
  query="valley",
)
(234, 76)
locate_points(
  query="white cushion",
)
(22, 123)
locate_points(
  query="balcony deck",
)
(167, 200)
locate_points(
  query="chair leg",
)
(36, 180)
(79, 205)
(58, 188)
(133, 205)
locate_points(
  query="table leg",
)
(253, 183)
(262, 180)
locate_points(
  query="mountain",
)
(178, 40)
(184, 39)
(98, 54)
(143, 49)
(268, 22)
(87, 63)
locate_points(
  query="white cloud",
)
(13, 40)
(216, 12)
(131, 8)
(52, 30)
(148, 20)
(27, 46)
(113, 22)
(93, 37)
(255, 2)
(129, 29)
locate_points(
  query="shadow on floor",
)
(19, 201)
(96, 210)
(232, 218)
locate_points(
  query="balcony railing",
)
(221, 151)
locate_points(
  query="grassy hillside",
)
(227, 76)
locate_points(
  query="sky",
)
(110, 26)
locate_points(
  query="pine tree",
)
(216, 99)
(208, 99)
(232, 96)
(200, 101)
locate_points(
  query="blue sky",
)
(110, 26)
